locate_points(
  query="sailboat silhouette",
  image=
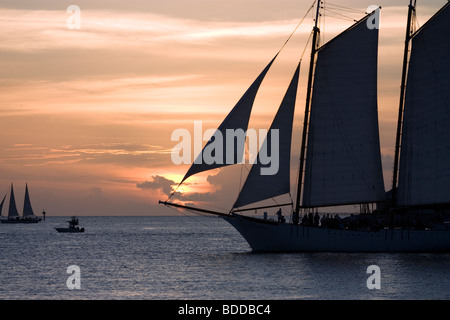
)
(28, 215)
(340, 157)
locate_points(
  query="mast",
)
(411, 10)
(316, 31)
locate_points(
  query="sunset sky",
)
(86, 115)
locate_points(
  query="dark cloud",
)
(224, 183)
(158, 183)
(196, 196)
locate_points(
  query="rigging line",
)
(306, 46)
(285, 210)
(298, 25)
(416, 22)
(292, 201)
(348, 9)
(173, 192)
(216, 207)
(282, 47)
(277, 204)
(325, 6)
(339, 14)
(341, 18)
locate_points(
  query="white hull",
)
(266, 236)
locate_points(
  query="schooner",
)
(340, 157)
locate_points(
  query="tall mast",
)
(316, 31)
(409, 30)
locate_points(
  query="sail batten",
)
(343, 159)
(424, 171)
(237, 119)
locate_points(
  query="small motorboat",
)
(73, 227)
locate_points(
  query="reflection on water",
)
(196, 258)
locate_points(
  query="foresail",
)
(27, 209)
(424, 172)
(343, 159)
(259, 186)
(1, 205)
(12, 212)
(237, 119)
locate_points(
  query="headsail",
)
(12, 212)
(424, 172)
(1, 205)
(237, 119)
(259, 186)
(27, 209)
(343, 160)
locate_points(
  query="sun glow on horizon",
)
(87, 115)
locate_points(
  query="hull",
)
(16, 221)
(69, 230)
(267, 236)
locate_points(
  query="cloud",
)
(124, 154)
(158, 183)
(46, 29)
(221, 190)
(217, 189)
(196, 196)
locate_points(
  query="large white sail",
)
(27, 209)
(343, 161)
(238, 118)
(259, 186)
(424, 172)
(12, 212)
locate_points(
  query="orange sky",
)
(86, 115)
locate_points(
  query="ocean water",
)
(195, 258)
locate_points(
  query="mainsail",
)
(237, 119)
(424, 172)
(259, 186)
(12, 212)
(343, 160)
(27, 209)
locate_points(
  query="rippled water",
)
(196, 258)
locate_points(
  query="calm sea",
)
(195, 258)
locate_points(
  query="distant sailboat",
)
(1, 206)
(13, 215)
(340, 157)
